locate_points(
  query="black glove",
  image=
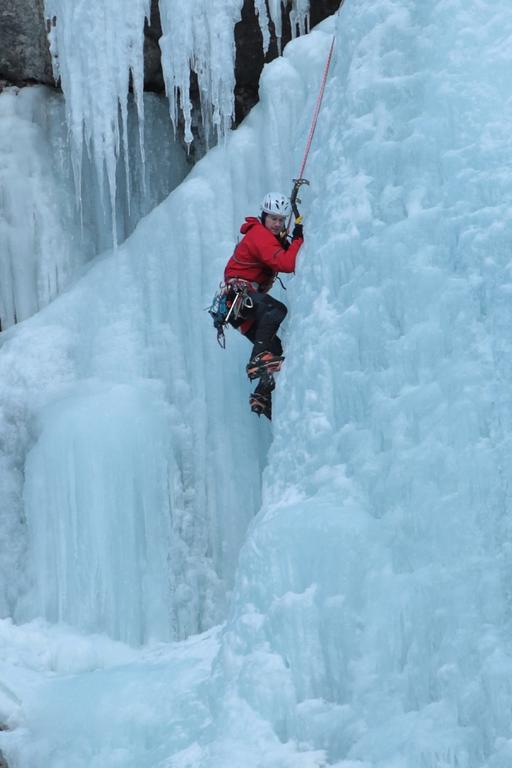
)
(297, 230)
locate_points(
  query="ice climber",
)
(265, 250)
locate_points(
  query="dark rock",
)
(24, 51)
(249, 50)
(153, 75)
(321, 9)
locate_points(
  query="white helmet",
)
(277, 204)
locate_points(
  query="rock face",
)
(153, 75)
(25, 58)
(24, 54)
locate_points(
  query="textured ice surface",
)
(374, 589)
(97, 52)
(40, 244)
(46, 234)
(110, 387)
(122, 371)
(370, 621)
(78, 692)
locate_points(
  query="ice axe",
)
(295, 199)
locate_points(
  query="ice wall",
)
(119, 384)
(40, 239)
(125, 365)
(125, 336)
(371, 617)
(46, 234)
(126, 418)
(127, 477)
(78, 175)
(370, 620)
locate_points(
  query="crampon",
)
(264, 363)
(261, 404)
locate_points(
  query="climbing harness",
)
(228, 303)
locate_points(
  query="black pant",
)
(268, 314)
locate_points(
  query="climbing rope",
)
(300, 178)
(317, 109)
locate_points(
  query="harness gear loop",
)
(229, 302)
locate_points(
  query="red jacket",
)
(259, 256)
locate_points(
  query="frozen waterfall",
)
(47, 233)
(372, 593)
(97, 54)
(185, 587)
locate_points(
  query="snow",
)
(347, 568)
(100, 689)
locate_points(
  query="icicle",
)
(138, 93)
(40, 245)
(275, 9)
(94, 48)
(199, 36)
(299, 17)
(261, 11)
(97, 47)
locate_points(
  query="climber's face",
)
(274, 223)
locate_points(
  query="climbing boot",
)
(261, 404)
(264, 363)
(266, 384)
